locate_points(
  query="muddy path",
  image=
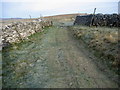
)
(59, 63)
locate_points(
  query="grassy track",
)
(52, 59)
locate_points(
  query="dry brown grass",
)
(103, 40)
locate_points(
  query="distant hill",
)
(9, 18)
(62, 17)
(66, 15)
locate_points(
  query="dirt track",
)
(62, 63)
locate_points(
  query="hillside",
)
(60, 55)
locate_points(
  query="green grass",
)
(17, 58)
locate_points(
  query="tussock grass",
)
(103, 40)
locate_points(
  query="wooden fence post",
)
(92, 17)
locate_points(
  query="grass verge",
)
(18, 59)
(103, 41)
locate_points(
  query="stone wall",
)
(83, 20)
(18, 31)
(111, 20)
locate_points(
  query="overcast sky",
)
(24, 8)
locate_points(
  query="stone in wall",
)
(18, 31)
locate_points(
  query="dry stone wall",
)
(111, 20)
(18, 31)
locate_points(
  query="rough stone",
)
(17, 31)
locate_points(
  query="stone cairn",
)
(19, 31)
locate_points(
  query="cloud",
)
(52, 7)
(40, 6)
(60, 1)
